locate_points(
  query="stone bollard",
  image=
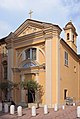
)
(33, 111)
(6, 108)
(0, 107)
(55, 107)
(19, 111)
(74, 104)
(45, 109)
(78, 111)
(63, 107)
(12, 109)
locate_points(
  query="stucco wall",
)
(69, 76)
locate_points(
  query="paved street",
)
(70, 112)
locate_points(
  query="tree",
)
(33, 87)
(7, 86)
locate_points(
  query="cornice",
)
(9, 40)
(35, 69)
(13, 41)
(29, 42)
(45, 34)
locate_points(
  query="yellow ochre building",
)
(37, 52)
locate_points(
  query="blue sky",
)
(14, 12)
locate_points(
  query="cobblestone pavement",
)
(70, 112)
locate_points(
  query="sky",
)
(14, 12)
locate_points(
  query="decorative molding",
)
(42, 34)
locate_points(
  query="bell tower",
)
(71, 35)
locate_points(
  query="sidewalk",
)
(70, 112)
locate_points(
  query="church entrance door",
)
(31, 96)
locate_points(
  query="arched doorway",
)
(28, 69)
(30, 92)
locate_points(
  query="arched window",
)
(31, 53)
(29, 64)
(67, 36)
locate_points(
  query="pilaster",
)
(10, 64)
(22, 90)
(58, 70)
(49, 72)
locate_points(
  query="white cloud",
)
(55, 11)
(43, 7)
(73, 7)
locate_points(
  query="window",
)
(73, 38)
(31, 53)
(29, 64)
(34, 53)
(28, 54)
(65, 93)
(66, 58)
(67, 36)
(74, 69)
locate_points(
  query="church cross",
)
(30, 13)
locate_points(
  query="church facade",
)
(37, 52)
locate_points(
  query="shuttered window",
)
(66, 58)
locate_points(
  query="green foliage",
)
(23, 84)
(32, 86)
(7, 85)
